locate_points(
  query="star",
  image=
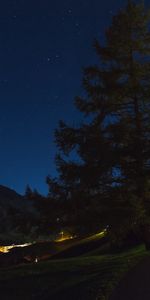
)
(69, 11)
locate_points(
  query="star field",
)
(43, 48)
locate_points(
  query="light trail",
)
(6, 249)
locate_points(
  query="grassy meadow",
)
(89, 276)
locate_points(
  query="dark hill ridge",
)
(17, 216)
(5, 190)
(10, 198)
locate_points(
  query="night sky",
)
(43, 47)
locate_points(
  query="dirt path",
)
(136, 284)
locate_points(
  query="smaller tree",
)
(28, 192)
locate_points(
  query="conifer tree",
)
(112, 144)
(28, 192)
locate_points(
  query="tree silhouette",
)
(109, 178)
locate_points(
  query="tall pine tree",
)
(110, 181)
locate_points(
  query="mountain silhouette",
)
(10, 198)
(17, 214)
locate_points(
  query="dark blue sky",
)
(43, 47)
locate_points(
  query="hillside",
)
(88, 277)
(15, 213)
(10, 198)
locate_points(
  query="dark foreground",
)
(88, 277)
(136, 284)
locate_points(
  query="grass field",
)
(84, 277)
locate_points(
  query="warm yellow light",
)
(64, 238)
(101, 233)
(6, 249)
